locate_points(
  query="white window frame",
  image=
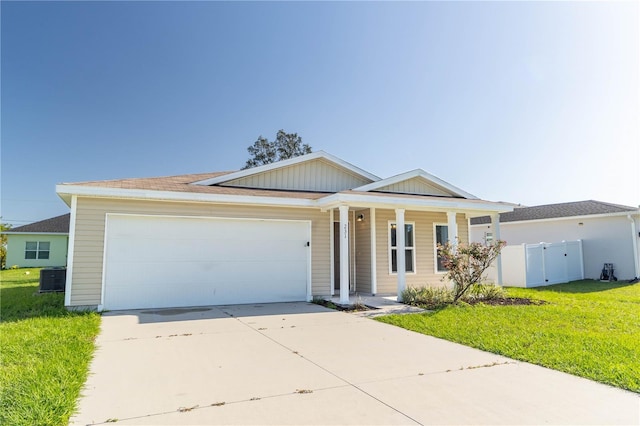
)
(412, 248)
(435, 247)
(37, 251)
(488, 238)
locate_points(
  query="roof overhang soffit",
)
(66, 192)
(472, 208)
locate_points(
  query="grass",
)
(587, 328)
(45, 352)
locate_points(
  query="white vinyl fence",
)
(534, 265)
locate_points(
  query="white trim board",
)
(70, 250)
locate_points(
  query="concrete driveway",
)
(299, 363)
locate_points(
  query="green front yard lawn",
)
(44, 352)
(587, 328)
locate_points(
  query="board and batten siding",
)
(86, 288)
(316, 175)
(414, 186)
(425, 274)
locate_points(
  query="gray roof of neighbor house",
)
(550, 211)
(54, 225)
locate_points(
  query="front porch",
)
(374, 259)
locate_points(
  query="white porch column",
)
(400, 253)
(374, 273)
(332, 280)
(452, 230)
(495, 227)
(344, 254)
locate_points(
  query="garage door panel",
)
(155, 274)
(159, 261)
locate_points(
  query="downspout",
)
(634, 241)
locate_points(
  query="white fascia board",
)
(34, 233)
(382, 201)
(141, 194)
(413, 174)
(286, 163)
(553, 219)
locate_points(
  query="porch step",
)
(382, 305)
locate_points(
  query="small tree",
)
(286, 145)
(466, 263)
(290, 145)
(3, 244)
(262, 152)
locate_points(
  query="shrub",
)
(427, 297)
(484, 292)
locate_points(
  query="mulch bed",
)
(349, 308)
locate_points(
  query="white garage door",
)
(159, 261)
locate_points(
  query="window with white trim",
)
(488, 238)
(442, 236)
(409, 248)
(37, 250)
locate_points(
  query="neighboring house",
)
(609, 232)
(308, 226)
(39, 244)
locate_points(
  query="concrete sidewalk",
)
(299, 363)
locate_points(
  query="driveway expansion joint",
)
(353, 385)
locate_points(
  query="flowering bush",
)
(466, 264)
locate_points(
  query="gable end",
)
(317, 175)
(416, 186)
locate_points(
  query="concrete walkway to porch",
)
(381, 304)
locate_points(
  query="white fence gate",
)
(534, 265)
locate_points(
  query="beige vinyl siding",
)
(90, 230)
(415, 186)
(363, 252)
(316, 175)
(463, 228)
(425, 274)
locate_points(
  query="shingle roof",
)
(58, 224)
(182, 183)
(550, 211)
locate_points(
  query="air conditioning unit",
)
(52, 279)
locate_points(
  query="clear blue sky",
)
(530, 103)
